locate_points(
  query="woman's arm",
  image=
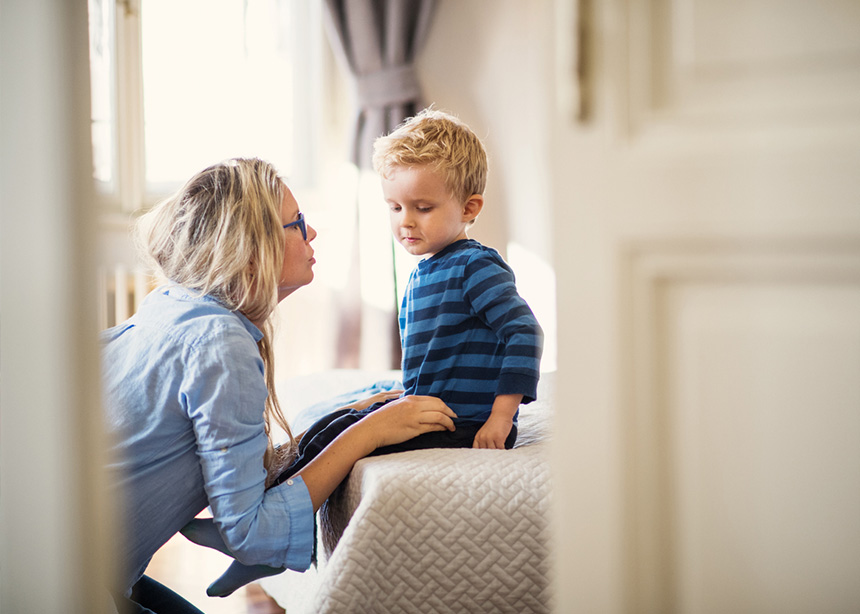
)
(396, 422)
(358, 405)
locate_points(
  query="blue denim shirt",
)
(184, 395)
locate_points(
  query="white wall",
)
(490, 63)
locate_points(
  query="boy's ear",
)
(473, 207)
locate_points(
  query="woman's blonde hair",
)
(221, 235)
(443, 142)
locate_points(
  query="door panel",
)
(707, 238)
(742, 426)
(762, 397)
(741, 61)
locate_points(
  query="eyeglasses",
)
(301, 224)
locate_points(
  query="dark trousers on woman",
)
(327, 428)
(151, 597)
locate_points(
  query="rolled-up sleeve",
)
(293, 496)
(272, 527)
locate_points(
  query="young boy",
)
(468, 338)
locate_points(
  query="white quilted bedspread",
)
(434, 531)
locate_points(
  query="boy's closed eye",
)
(422, 207)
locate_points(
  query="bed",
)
(427, 530)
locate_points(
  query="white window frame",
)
(310, 108)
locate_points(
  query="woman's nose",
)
(312, 233)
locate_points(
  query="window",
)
(179, 85)
(103, 79)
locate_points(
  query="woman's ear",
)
(473, 207)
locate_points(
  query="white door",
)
(707, 236)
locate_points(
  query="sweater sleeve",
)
(490, 288)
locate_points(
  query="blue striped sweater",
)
(466, 333)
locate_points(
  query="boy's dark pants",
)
(327, 428)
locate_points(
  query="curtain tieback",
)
(394, 85)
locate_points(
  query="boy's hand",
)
(493, 434)
(496, 429)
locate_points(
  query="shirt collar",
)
(185, 294)
(451, 247)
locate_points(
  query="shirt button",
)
(289, 482)
(224, 449)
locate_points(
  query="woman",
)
(189, 386)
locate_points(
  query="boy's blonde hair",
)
(443, 142)
(221, 235)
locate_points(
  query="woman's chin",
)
(285, 291)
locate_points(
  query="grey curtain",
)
(378, 42)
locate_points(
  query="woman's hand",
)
(402, 419)
(407, 417)
(376, 398)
